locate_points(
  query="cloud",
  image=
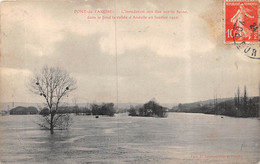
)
(40, 30)
(29, 26)
(13, 84)
(172, 60)
(14, 72)
(177, 38)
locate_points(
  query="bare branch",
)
(52, 84)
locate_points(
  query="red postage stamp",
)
(241, 21)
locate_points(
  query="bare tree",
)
(52, 84)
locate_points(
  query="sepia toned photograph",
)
(129, 82)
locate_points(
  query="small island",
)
(149, 109)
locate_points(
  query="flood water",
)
(179, 138)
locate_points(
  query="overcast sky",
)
(173, 61)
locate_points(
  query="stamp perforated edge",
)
(224, 21)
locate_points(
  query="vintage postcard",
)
(128, 81)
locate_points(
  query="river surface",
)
(179, 138)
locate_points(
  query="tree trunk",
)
(51, 124)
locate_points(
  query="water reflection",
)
(179, 139)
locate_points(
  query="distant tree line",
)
(95, 109)
(246, 107)
(149, 109)
(240, 106)
(103, 109)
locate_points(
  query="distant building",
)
(23, 110)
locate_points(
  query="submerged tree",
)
(53, 84)
(103, 109)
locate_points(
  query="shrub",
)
(103, 109)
